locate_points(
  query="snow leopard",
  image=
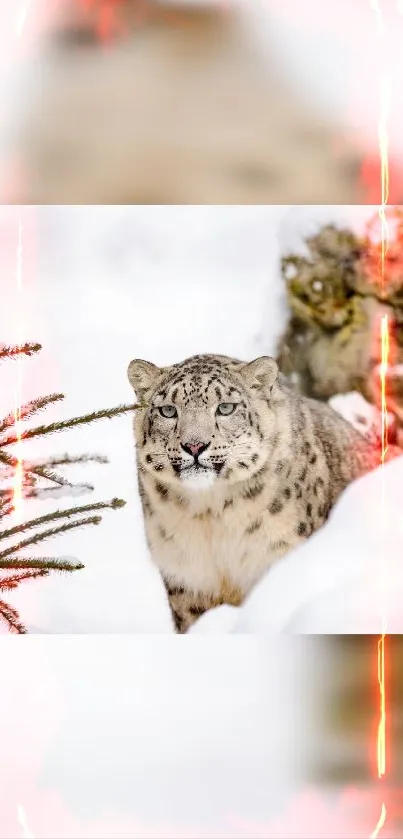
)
(234, 470)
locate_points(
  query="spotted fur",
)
(265, 480)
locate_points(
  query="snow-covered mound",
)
(344, 579)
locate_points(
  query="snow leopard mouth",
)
(196, 469)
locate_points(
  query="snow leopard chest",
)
(201, 551)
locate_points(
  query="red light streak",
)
(384, 160)
(18, 475)
(382, 375)
(106, 13)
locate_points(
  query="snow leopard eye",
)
(168, 411)
(226, 408)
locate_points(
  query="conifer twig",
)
(28, 410)
(46, 534)
(23, 349)
(11, 617)
(32, 479)
(42, 493)
(44, 562)
(6, 509)
(114, 504)
(38, 470)
(15, 579)
(67, 460)
(42, 430)
(43, 472)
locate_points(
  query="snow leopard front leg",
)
(186, 608)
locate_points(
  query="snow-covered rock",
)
(358, 412)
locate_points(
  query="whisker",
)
(237, 449)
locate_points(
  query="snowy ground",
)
(102, 285)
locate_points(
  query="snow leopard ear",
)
(261, 373)
(142, 376)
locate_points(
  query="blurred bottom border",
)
(216, 737)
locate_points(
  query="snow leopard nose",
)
(194, 448)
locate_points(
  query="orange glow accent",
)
(381, 739)
(382, 374)
(18, 474)
(381, 735)
(106, 13)
(385, 95)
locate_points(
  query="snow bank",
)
(343, 579)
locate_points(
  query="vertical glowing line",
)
(18, 475)
(381, 734)
(384, 327)
(383, 373)
(383, 150)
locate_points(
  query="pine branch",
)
(7, 493)
(46, 534)
(15, 579)
(39, 471)
(24, 349)
(11, 618)
(41, 562)
(28, 410)
(114, 504)
(67, 460)
(43, 493)
(15, 569)
(42, 430)
(49, 475)
(6, 510)
(12, 462)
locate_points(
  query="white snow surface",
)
(347, 578)
(101, 285)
